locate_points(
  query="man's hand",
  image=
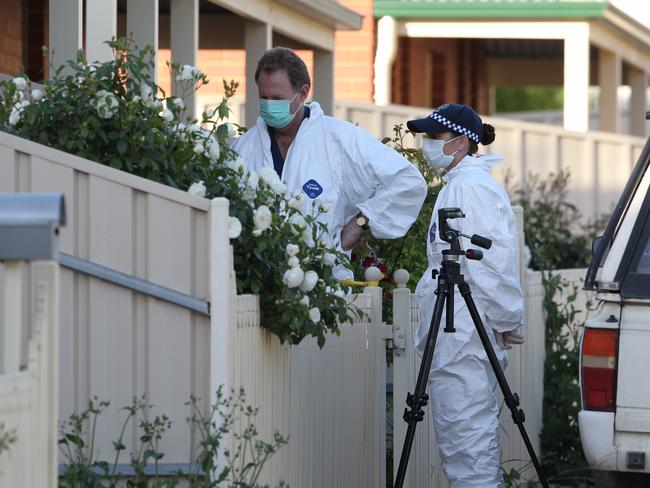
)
(506, 339)
(351, 234)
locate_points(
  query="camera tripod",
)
(448, 277)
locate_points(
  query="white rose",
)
(238, 164)
(136, 99)
(292, 250)
(309, 281)
(314, 315)
(198, 148)
(257, 232)
(268, 175)
(262, 217)
(329, 259)
(253, 180)
(194, 128)
(278, 187)
(14, 116)
(20, 82)
(248, 195)
(324, 207)
(234, 228)
(298, 220)
(214, 150)
(178, 103)
(37, 95)
(232, 132)
(304, 301)
(307, 237)
(197, 188)
(167, 114)
(339, 293)
(293, 261)
(293, 277)
(146, 92)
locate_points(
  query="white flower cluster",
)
(20, 100)
(106, 104)
(306, 281)
(189, 73)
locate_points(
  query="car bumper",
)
(597, 435)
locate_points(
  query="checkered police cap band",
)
(455, 127)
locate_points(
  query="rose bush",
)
(113, 113)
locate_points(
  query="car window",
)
(644, 261)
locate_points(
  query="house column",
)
(142, 23)
(257, 39)
(384, 58)
(101, 26)
(610, 70)
(324, 79)
(65, 31)
(185, 42)
(638, 101)
(576, 79)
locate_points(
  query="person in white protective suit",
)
(461, 383)
(366, 184)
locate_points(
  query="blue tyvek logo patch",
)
(432, 232)
(312, 188)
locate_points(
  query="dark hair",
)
(486, 140)
(282, 58)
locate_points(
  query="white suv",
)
(615, 352)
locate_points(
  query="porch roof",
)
(491, 8)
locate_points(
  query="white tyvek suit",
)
(349, 169)
(462, 384)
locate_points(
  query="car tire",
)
(618, 479)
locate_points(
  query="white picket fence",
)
(118, 343)
(28, 403)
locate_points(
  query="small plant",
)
(215, 466)
(7, 438)
(562, 456)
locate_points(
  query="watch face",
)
(361, 221)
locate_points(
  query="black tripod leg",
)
(420, 398)
(512, 401)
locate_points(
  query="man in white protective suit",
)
(366, 184)
(461, 382)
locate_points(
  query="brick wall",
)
(354, 56)
(11, 37)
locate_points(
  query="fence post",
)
(13, 320)
(220, 297)
(45, 292)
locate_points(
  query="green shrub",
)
(114, 114)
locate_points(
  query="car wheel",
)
(617, 479)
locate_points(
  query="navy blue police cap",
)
(450, 117)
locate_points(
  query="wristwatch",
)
(362, 221)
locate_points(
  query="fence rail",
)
(599, 163)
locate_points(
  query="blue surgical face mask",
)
(277, 113)
(433, 152)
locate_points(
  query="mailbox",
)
(29, 225)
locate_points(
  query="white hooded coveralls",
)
(340, 164)
(462, 384)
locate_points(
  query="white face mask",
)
(433, 152)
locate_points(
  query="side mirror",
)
(595, 243)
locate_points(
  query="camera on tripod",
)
(448, 278)
(450, 235)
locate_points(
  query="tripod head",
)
(452, 236)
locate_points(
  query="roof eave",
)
(328, 12)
